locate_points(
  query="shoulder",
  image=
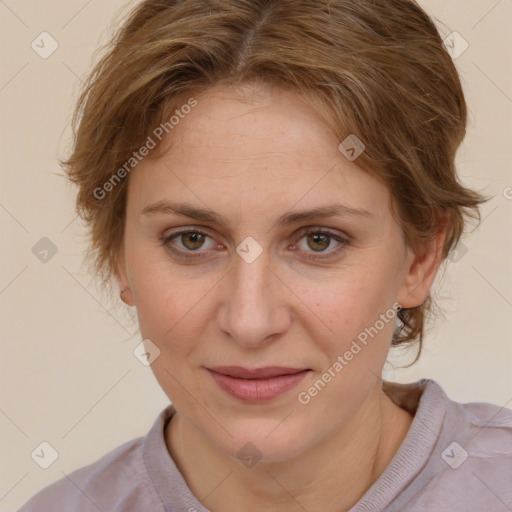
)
(483, 429)
(483, 425)
(470, 466)
(117, 482)
(485, 434)
(456, 456)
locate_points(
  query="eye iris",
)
(318, 239)
(196, 239)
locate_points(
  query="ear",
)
(121, 278)
(422, 267)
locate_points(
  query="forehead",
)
(259, 146)
(258, 123)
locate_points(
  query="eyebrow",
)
(292, 217)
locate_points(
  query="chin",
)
(252, 443)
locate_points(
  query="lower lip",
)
(257, 390)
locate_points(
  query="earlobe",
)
(422, 270)
(127, 296)
(121, 279)
(125, 292)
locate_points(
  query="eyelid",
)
(326, 231)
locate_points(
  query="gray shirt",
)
(455, 457)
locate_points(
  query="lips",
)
(240, 372)
(256, 385)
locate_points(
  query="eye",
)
(315, 243)
(188, 241)
(318, 241)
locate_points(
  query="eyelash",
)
(187, 254)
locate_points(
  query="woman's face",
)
(252, 277)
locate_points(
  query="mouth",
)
(259, 384)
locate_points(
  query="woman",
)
(271, 184)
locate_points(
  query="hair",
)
(376, 69)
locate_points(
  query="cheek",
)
(171, 307)
(171, 314)
(356, 314)
(347, 303)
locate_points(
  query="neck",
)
(333, 475)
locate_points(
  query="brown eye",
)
(192, 240)
(185, 243)
(318, 241)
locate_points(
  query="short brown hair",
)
(378, 69)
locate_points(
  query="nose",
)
(254, 309)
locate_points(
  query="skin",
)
(251, 156)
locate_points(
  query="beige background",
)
(68, 374)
